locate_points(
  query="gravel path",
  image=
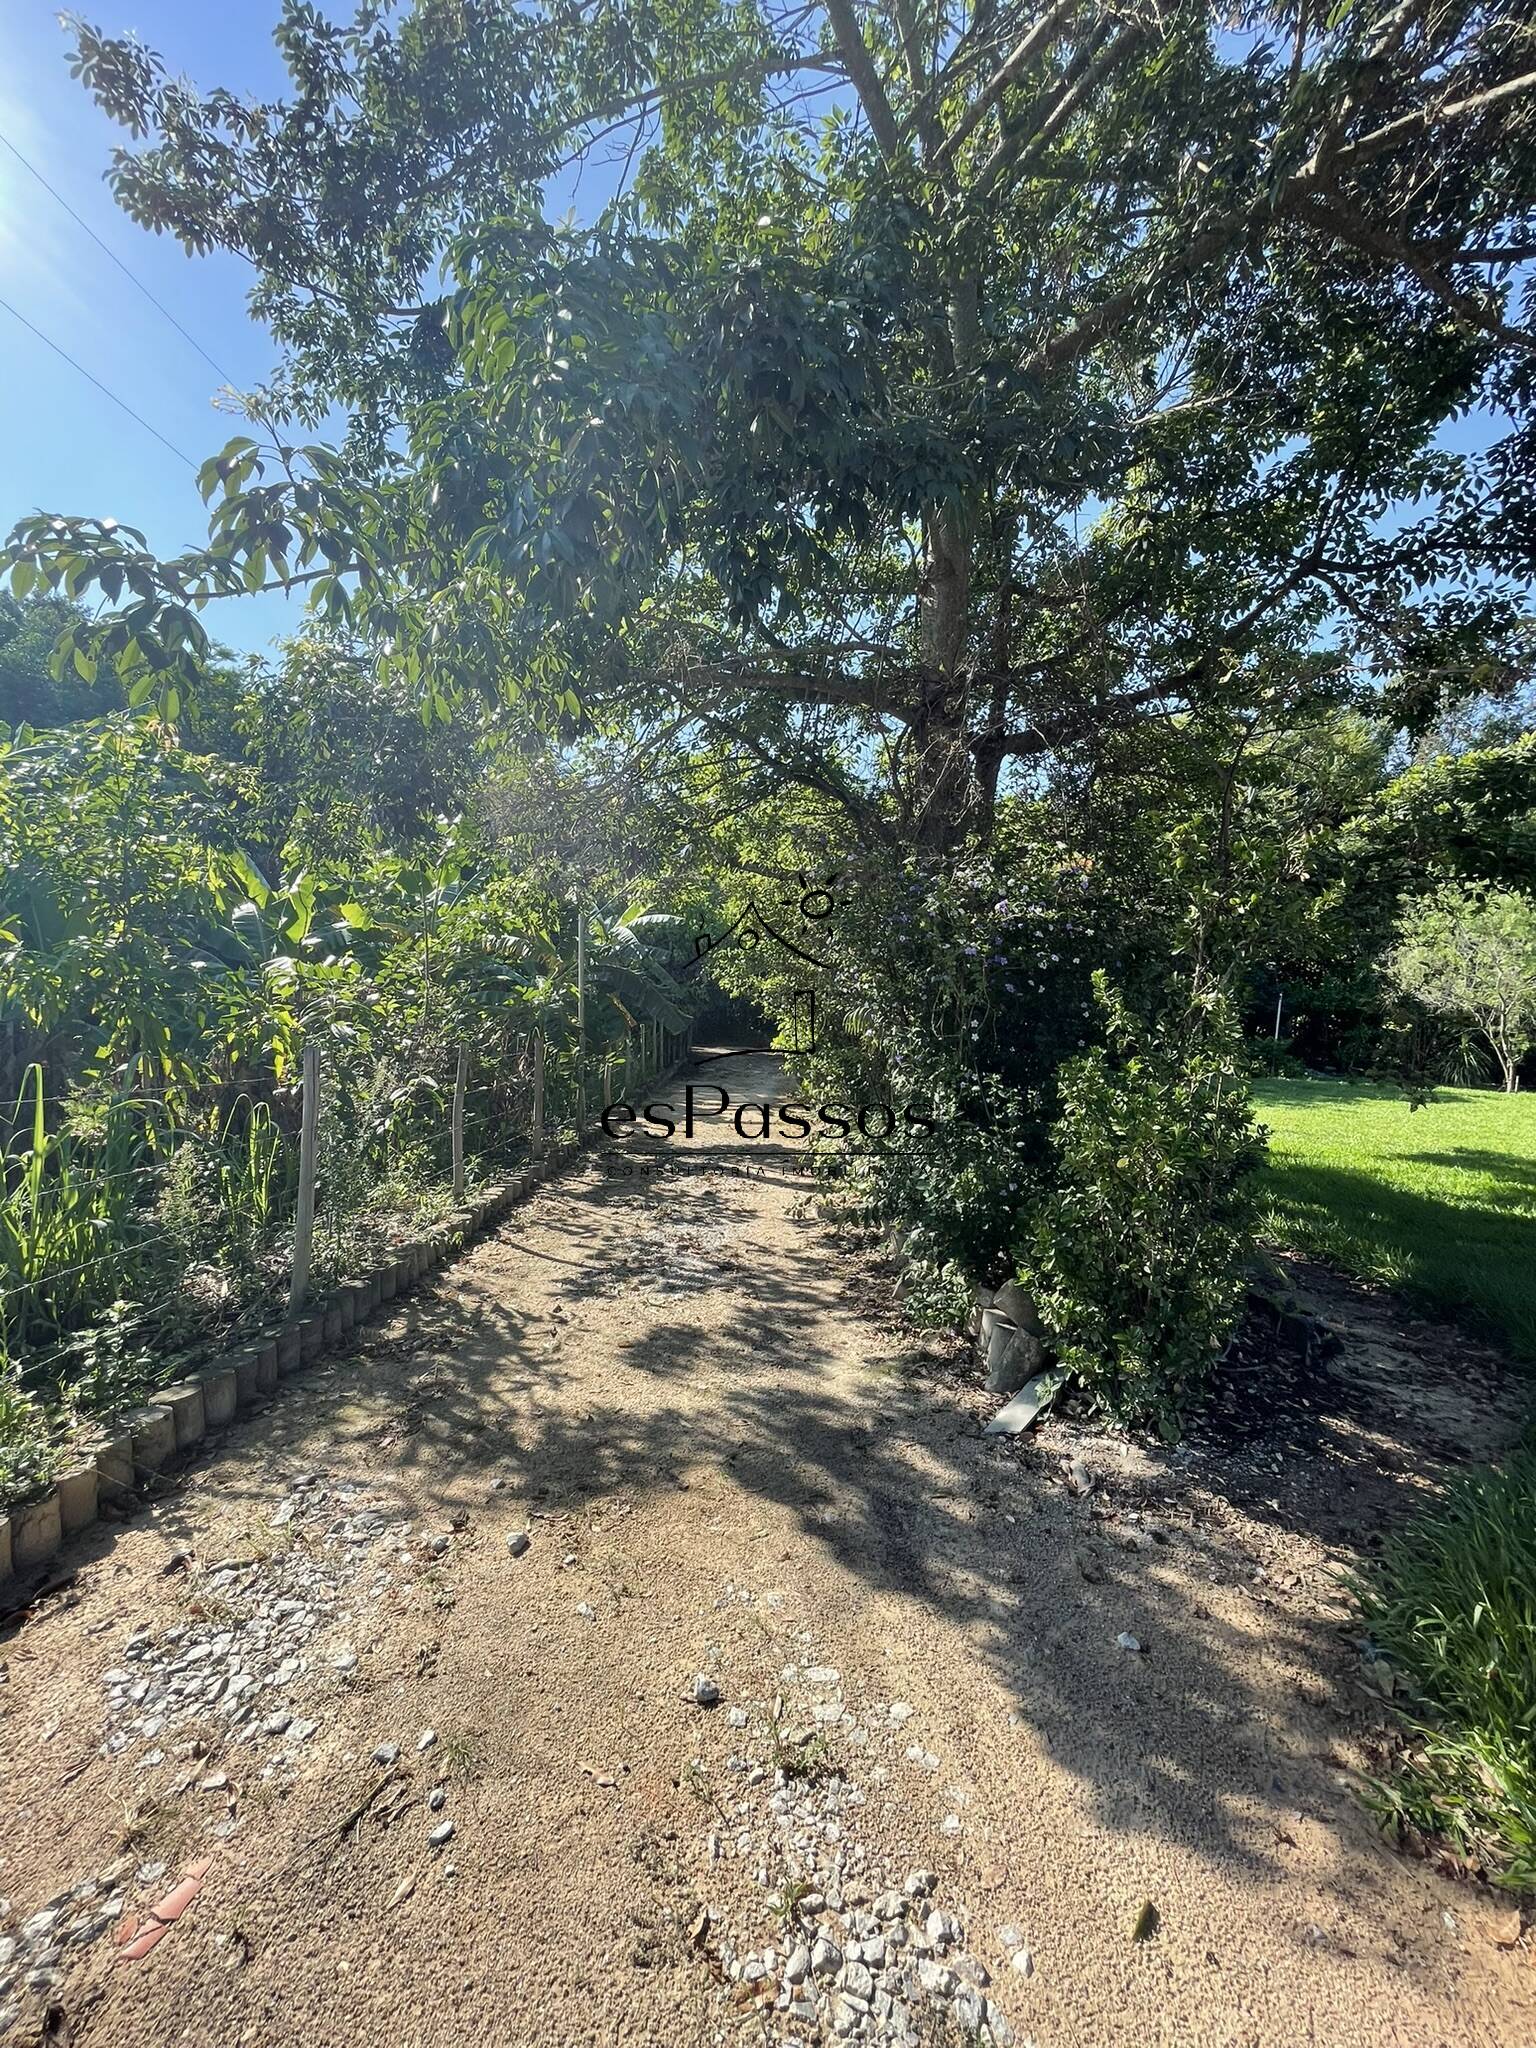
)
(634, 1641)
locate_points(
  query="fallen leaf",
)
(1145, 1925)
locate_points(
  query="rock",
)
(935, 1978)
(1507, 1928)
(998, 2026)
(973, 1972)
(301, 1731)
(705, 1692)
(344, 1659)
(1144, 1926)
(217, 1782)
(518, 1542)
(826, 1957)
(442, 1833)
(1079, 1478)
(1010, 1937)
(437, 1798)
(386, 1753)
(425, 1740)
(857, 1979)
(1022, 1961)
(1014, 1356)
(899, 1712)
(1018, 1305)
(797, 1965)
(437, 1546)
(1126, 1641)
(919, 1884)
(968, 2011)
(738, 1717)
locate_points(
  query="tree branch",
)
(864, 77)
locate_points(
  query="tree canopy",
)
(921, 400)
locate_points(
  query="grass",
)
(1439, 1202)
(1452, 1606)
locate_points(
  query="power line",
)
(49, 342)
(107, 250)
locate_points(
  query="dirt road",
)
(442, 1787)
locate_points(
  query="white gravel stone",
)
(857, 1979)
(998, 2026)
(1126, 1641)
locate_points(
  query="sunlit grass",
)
(1438, 1202)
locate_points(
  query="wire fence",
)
(127, 1235)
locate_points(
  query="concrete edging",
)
(121, 1454)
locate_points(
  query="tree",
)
(1470, 954)
(802, 439)
(30, 694)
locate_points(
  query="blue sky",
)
(63, 446)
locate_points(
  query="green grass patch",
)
(1438, 1202)
(1452, 1606)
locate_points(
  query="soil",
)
(734, 1462)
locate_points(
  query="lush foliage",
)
(1452, 1607)
(178, 925)
(1137, 1253)
(973, 451)
(1470, 954)
(1438, 1202)
(805, 419)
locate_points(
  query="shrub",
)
(1138, 1243)
(29, 1457)
(1451, 1604)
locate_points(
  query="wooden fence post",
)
(537, 1138)
(581, 1019)
(304, 1217)
(460, 1077)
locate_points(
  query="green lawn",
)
(1439, 1202)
